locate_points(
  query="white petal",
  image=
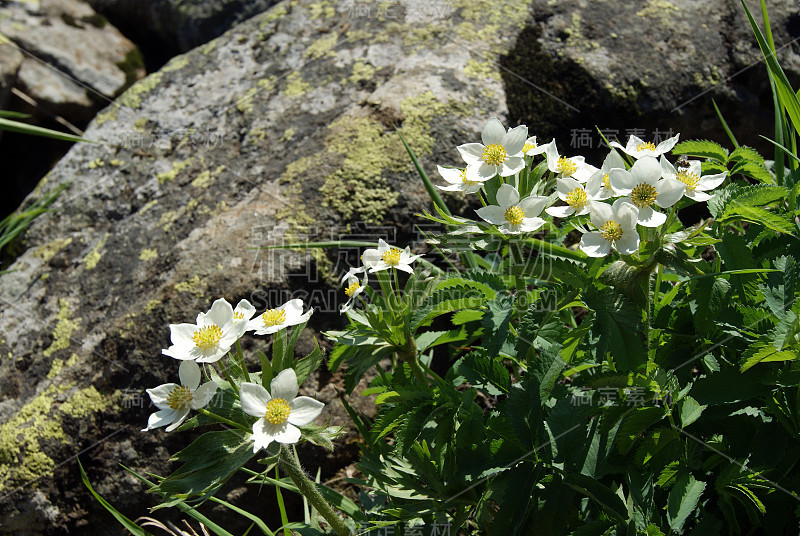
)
(179, 352)
(283, 433)
(159, 418)
(304, 410)
(560, 212)
(246, 309)
(189, 374)
(512, 166)
(493, 214)
(159, 394)
(552, 156)
(584, 170)
(633, 143)
(709, 182)
(180, 416)
(370, 257)
(651, 218)
(293, 309)
(514, 139)
(600, 213)
(471, 152)
(594, 245)
(221, 313)
(261, 435)
(254, 399)
(507, 196)
(617, 145)
(284, 385)
(668, 171)
(698, 195)
(482, 171)
(203, 395)
(565, 185)
(646, 170)
(613, 160)
(533, 205)
(621, 181)
(629, 243)
(669, 192)
(529, 225)
(667, 145)
(493, 132)
(451, 175)
(625, 213)
(181, 334)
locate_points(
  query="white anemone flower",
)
(577, 198)
(280, 411)
(638, 148)
(600, 180)
(573, 166)
(386, 256)
(513, 215)
(272, 320)
(644, 187)
(616, 226)
(531, 148)
(243, 312)
(209, 338)
(457, 181)
(499, 154)
(697, 185)
(354, 287)
(175, 401)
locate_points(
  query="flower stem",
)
(223, 420)
(291, 465)
(408, 353)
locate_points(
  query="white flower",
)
(577, 198)
(574, 166)
(386, 257)
(243, 312)
(696, 184)
(272, 320)
(600, 182)
(209, 338)
(175, 401)
(644, 187)
(531, 148)
(354, 287)
(458, 181)
(616, 226)
(514, 216)
(499, 154)
(279, 413)
(638, 148)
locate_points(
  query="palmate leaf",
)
(484, 372)
(702, 148)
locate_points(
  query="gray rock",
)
(278, 131)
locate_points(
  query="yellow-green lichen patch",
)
(362, 71)
(207, 177)
(288, 134)
(94, 256)
(321, 9)
(59, 365)
(322, 47)
(178, 62)
(133, 97)
(140, 123)
(147, 206)
(295, 86)
(660, 10)
(264, 86)
(65, 327)
(195, 286)
(49, 250)
(481, 69)
(96, 163)
(273, 14)
(117, 162)
(22, 460)
(148, 254)
(486, 21)
(150, 306)
(210, 47)
(177, 167)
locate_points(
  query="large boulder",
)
(280, 130)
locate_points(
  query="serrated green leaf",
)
(754, 171)
(601, 494)
(690, 410)
(683, 499)
(711, 296)
(495, 322)
(702, 148)
(744, 153)
(759, 216)
(616, 325)
(482, 371)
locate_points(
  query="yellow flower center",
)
(352, 288)
(528, 147)
(273, 317)
(278, 411)
(611, 230)
(494, 154)
(179, 398)
(515, 215)
(465, 180)
(207, 336)
(689, 179)
(643, 195)
(577, 199)
(237, 316)
(391, 256)
(645, 145)
(566, 166)
(606, 182)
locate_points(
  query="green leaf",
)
(524, 412)
(744, 153)
(482, 372)
(753, 170)
(129, 525)
(601, 494)
(702, 148)
(690, 411)
(616, 325)
(305, 366)
(24, 128)
(781, 287)
(512, 492)
(495, 323)
(683, 499)
(762, 351)
(770, 220)
(711, 296)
